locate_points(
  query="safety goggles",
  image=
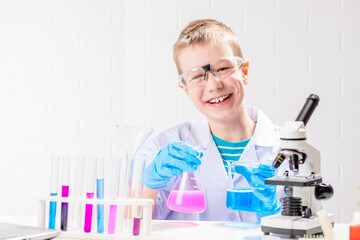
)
(223, 67)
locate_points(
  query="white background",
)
(72, 69)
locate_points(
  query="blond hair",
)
(203, 31)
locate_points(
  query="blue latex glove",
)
(261, 190)
(266, 193)
(172, 160)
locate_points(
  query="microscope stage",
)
(296, 181)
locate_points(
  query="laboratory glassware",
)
(55, 163)
(90, 194)
(114, 194)
(65, 192)
(78, 192)
(240, 194)
(187, 194)
(132, 181)
(100, 194)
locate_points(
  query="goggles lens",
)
(221, 68)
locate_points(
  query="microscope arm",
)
(313, 163)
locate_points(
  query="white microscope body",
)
(303, 191)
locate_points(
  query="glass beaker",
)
(240, 194)
(187, 194)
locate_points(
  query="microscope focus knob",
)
(323, 191)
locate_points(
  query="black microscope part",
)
(291, 206)
(311, 103)
(278, 160)
(294, 163)
(323, 191)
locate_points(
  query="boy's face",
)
(218, 99)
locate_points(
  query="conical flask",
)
(187, 194)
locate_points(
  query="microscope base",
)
(292, 226)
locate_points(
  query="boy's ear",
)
(184, 88)
(245, 71)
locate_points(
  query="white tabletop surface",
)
(189, 230)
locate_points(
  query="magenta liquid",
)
(112, 219)
(88, 214)
(136, 226)
(186, 201)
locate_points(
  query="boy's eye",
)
(223, 69)
(197, 77)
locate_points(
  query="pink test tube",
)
(114, 194)
(90, 194)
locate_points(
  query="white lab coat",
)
(263, 146)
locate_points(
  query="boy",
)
(213, 74)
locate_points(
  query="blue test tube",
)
(100, 194)
(55, 162)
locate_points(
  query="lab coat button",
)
(232, 216)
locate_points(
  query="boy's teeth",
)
(220, 99)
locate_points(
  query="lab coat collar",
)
(264, 134)
(265, 130)
(199, 134)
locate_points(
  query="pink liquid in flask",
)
(186, 201)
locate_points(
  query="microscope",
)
(302, 191)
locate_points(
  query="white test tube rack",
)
(145, 204)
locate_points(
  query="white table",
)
(186, 230)
(191, 230)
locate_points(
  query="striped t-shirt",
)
(230, 151)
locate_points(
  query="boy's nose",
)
(213, 83)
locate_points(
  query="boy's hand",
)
(266, 193)
(256, 179)
(261, 190)
(172, 160)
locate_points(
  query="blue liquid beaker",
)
(242, 199)
(240, 195)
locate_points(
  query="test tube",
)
(123, 191)
(79, 182)
(100, 194)
(114, 194)
(55, 163)
(90, 194)
(136, 188)
(65, 192)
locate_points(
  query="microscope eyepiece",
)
(311, 103)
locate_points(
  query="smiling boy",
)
(213, 75)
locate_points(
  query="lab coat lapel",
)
(249, 152)
(264, 137)
(265, 133)
(200, 135)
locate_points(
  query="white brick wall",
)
(71, 70)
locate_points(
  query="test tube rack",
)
(78, 233)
